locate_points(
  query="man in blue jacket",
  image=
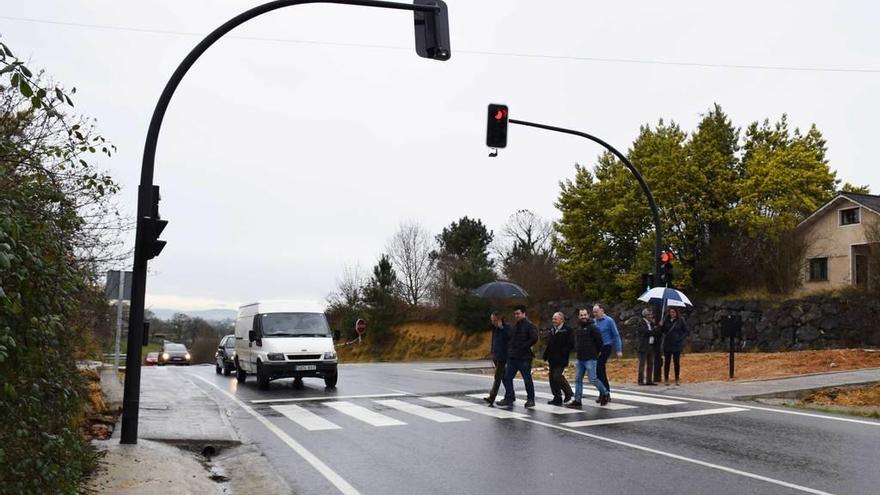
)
(500, 341)
(610, 338)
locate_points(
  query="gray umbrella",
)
(500, 289)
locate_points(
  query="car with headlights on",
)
(224, 358)
(174, 353)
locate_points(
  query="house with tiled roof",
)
(841, 243)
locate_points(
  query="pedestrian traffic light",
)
(666, 258)
(432, 30)
(496, 126)
(647, 281)
(153, 226)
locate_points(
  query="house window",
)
(818, 269)
(849, 216)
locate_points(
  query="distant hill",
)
(205, 314)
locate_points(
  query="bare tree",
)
(410, 253)
(525, 234)
(349, 287)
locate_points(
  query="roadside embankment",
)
(418, 341)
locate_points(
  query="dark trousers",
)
(500, 367)
(658, 362)
(646, 367)
(524, 367)
(676, 358)
(558, 384)
(604, 354)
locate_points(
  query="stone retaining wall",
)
(813, 322)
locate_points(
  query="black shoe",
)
(652, 384)
(487, 399)
(555, 402)
(598, 399)
(505, 402)
(575, 404)
(529, 403)
(491, 405)
(603, 400)
(566, 399)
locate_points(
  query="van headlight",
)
(330, 355)
(166, 356)
(187, 356)
(275, 356)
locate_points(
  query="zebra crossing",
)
(375, 410)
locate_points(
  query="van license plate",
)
(306, 367)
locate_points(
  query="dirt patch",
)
(867, 396)
(419, 341)
(713, 366)
(99, 419)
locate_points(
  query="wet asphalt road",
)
(341, 444)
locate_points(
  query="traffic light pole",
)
(658, 240)
(131, 397)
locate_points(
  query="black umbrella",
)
(500, 289)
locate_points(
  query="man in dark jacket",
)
(519, 358)
(588, 344)
(500, 341)
(647, 333)
(560, 341)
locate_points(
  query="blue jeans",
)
(524, 367)
(588, 367)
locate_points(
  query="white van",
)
(284, 339)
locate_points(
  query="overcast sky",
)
(287, 153)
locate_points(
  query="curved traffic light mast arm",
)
(147, 214)
(658, 241)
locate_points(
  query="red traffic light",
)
(666, 257)
(500, 114)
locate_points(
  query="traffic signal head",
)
(152, 227)
(432, 30)
(666, 258)
(496, 126)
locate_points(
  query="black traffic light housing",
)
(432, 30)
(647, 281)
(666, 258)
(153, 226)
(496, 126)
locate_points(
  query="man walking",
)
(610, 339)
(646, 336)
(588, 342)
(519, 358)
(559, 344)
(500, 342)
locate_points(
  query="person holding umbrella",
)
(675, 333)
(500, 341)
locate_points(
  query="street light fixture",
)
(431, 22)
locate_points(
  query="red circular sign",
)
(360, 326)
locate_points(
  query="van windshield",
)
(294, 325)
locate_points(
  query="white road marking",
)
(327, 397)
(680, 458)
(305, 418)
(325, 470)
(590, 403)
(690, 399)
(422, 412)
(652, 417)
(363, 414)
(485, 410)
(769, 409)
(635, 398)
